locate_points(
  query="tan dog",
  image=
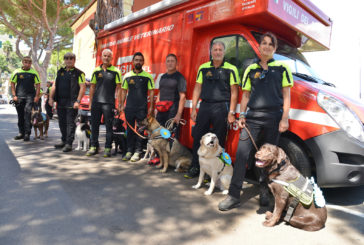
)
(178, 156)
(310, 218)
(40, 124)
(211, 164)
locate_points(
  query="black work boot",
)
(59, 145)
(26, 137)
(67, 148)
(19, 137)
(229, 203)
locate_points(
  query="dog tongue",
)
(259, 163)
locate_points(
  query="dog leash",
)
(170, 123)
(134, 130)
(250, 136)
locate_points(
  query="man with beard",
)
(137, 83)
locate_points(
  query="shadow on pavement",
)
(60, 198)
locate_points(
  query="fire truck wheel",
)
(296, 155)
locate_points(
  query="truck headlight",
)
(342, 115)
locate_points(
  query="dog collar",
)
(280, 165)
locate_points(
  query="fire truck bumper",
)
(339, 159)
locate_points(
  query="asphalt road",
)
(48, 197)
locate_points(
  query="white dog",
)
(82, 135)
(211, 164)
(149, 152)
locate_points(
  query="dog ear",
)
(150, 119)
(201, 140)
(281, 155)
(202, 149)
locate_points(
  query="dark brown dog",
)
(309, 219)
(40, 124)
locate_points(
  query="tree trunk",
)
(107, 11)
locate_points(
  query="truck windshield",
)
(296, 61)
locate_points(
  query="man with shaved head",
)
(105, 82)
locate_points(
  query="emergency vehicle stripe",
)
(312, 117)
(296, 114)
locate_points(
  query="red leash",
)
(134, 130)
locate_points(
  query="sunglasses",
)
(262, 75)
(68, 58)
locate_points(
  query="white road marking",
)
(346, 210)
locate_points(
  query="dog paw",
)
(196, 186)
(77, 149)
(268, 215)
(208, 193)
(163, 170)
(268, 223)
(225, 192)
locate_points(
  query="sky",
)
(343, 64)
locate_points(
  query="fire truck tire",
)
(296, 155)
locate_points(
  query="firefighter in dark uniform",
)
(217, 86)
(105, 82)
(67, 91)
(266, 92)
(23, 81)
(137, 83)
(48, 108)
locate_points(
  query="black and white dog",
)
(118, 135)
(83, 132)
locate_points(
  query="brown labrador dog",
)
(40, 124)
(306, 218)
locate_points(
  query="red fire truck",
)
(326, 133)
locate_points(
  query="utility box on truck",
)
(326, 133)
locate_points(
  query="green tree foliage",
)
(8, 58)
(43, 25)
(56, 62)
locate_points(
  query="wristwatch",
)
(232, 112)
(78, 101)
(242, 114)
